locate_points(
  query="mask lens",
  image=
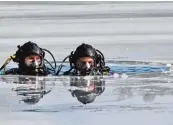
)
(33, 60)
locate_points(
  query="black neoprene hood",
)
(28, 49)
(85, 50)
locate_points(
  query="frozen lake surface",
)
(123, 31)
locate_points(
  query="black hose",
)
(102, 56)
(50, 64)
(2, 67)
(51, 69)
(60, 66)
(52, 57)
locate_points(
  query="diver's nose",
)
(35, 63)
(87, 65)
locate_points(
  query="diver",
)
(32, 90)
(86, 60)
(86, 90)
(31, 61)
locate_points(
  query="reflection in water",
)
(147, 92)
(149, 97)
(86, 90)
(32, 89)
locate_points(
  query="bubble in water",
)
(169, 65)
(116, 75)
(124, 76)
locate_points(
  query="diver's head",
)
(30, 58)
(84, 97)
(85, 58)
(32, 100)
(87, 90)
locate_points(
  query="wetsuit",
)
(16, 71)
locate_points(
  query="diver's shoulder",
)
(12, 71)
(68, 73)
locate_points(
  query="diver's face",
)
(33, 61)
(85, 63)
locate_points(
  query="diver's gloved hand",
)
(106, 69)
(95, 71)
(34, 71)
(85, 72)
(89, 72)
